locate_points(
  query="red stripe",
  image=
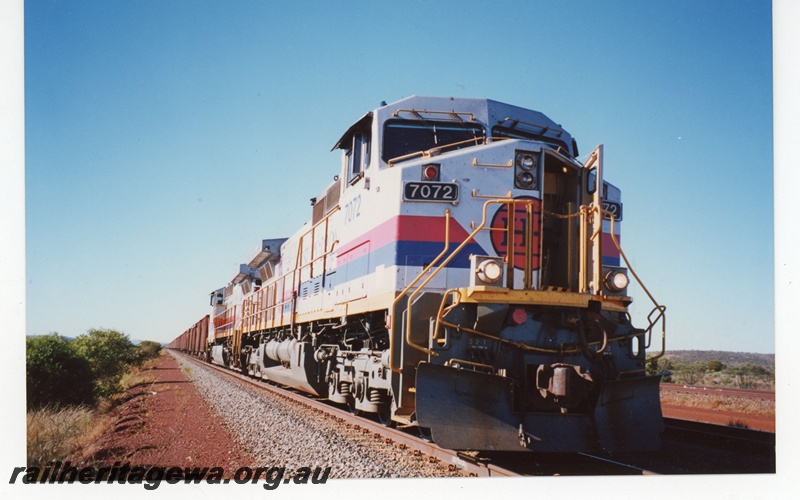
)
(609, 249)
(405, 228)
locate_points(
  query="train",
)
(462, 275)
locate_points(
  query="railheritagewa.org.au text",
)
(152, 476)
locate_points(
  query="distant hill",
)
(727, 357)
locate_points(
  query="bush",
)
(715, 365)
(109, 354)
(713, 372)
(81, 371)
(146, 350)
(660, 366)
(56, 373)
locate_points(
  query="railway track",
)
(688, 447)
(455, 460)
(726, 437)
(701, 448)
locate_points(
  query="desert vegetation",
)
(716, 369)
(71, 383)
(743, 405)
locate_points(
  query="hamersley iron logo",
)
(499, 235)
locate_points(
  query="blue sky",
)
(164, 140)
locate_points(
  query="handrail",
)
(414, 282)
(416, 113)
(584, 213)
(427, 153)
(229, 318)
(450, 362)
(475, 194)
(277, 285)
(660, 308)
(443, 310)
(447, 261)
(495, 165)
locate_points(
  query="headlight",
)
(616, 281)
(526, 161)
(526, 179)
(490, 271)
(486, 271)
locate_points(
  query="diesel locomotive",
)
(461, 274)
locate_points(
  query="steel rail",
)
(454, 459)
(639, 470)
(727, 437)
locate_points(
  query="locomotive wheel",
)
(351, 406)
(331, 387)
(385, 414)
(385, 409)
(425, 433)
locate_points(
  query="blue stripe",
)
(401, 253)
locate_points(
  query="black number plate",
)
(614, 208)
(430, 191)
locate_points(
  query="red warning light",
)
(430, 172)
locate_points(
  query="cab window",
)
(357, 157)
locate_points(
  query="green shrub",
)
(146, 350)
(56, 373)
(109, 354)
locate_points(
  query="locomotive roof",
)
(486, 111)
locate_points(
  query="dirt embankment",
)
(165, 422)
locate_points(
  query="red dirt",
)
(755, 422)
(166, 423)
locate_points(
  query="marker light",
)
(430, 172)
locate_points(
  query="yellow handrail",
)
(416, 113)
(443, 309)
(495, 165)
(447, 261)
(429, 152)
(521, 345)
(414, 282)
(657, 307)
(278, 284)
(450, 362)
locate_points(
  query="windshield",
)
(402, 137)
(512, 133)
